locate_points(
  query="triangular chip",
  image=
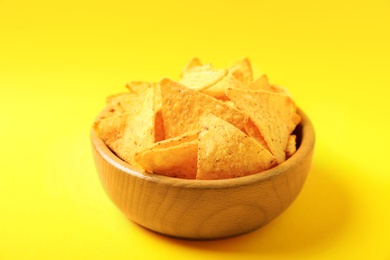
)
(128, 132)
(157, 97)
(226, 152)
(252, 130)
(112, 98)
(183, 107)
(274, 114)
(124, 102)
(140, 128)
(194, 62)
(111, 130)
(139, 87)
(159, 130)
(202, 77)
(175, 141)
(291, 146)
(262, 83)
(139, 90)
(175, 157)
(242, 70)
(218, 89)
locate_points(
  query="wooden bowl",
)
(204, 209)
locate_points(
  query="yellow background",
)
(60, 59)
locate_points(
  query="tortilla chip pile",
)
(210, 124)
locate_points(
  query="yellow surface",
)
(60, 59)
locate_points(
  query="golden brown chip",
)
(194, 62)
(202, 77)
(291, 146)
(139, 87)
(111, 130)
(274, 114)
(157, 97)
(242, 70)
(178, 161)
(112, 98)
(176, 157)
(128, 132)
(262, 83)
(177, 140)
(252, 130)
(183, 107)
(218, 89)
(125, 102)
(120, 107)
(226, 152)
(230, 103)
(138, 92)
(159, 130)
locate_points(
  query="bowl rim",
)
(306, 147)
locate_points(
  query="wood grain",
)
(204, 209)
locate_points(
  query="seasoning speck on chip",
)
(210, 124)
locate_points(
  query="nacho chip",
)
(118, 104)
(183, 107)
(226, 152)
(139, 87)
(230, 103)
(202, 77)
(178, 161)
(262, 83)
(291, 146)
(177, 140)
(242, 70)
(218, 89)
(176, 157)
(159, 130)
(252, 130)
(111, 130)
(194, 62)
(140, 128)
(128, 132)
(112, 98)
(125, 102)
(138, 92)
(274, 114)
